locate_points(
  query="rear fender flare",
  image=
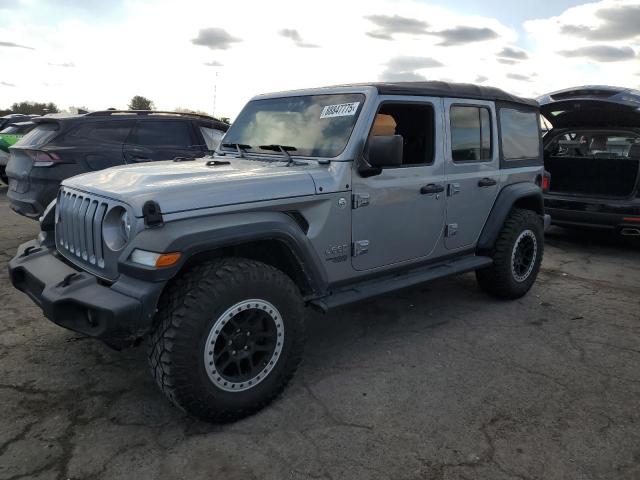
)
(527, 194)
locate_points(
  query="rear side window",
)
(102, 131)
(520, 134)
(470, 134)
(165, 133)
(212, 137)
(39, 135)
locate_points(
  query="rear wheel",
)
(229, 337)
(3, 175)
(517, 255)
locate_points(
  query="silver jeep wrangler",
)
(316, 198)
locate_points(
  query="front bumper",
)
(79, 301)
(593, 212)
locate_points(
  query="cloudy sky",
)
(99, 53)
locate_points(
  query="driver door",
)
(398, 215)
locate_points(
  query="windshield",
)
(313, 125)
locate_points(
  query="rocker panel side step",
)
(386, 284)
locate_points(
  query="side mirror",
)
(386, 151)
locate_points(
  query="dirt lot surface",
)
(437, 382)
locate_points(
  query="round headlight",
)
(116, 228)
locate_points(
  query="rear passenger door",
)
(472, 169)
(98, 143)
(153, 140)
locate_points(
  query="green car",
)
(9, 136)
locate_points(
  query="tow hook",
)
(29, 250)
(66, 281)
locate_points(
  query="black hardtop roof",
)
(446, 89)
(116, 115)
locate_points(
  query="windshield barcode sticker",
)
(341, 110)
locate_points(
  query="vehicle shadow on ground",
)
(588, 238)
(345, 344)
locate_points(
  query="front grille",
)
(79, 221)
(79, 226)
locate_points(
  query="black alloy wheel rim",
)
(244, 345)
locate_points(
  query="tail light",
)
(43, 159)
(546, 181)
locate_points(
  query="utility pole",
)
(215, 94)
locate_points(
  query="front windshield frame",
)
(228, 144)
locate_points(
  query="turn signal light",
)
(153, 259)
(168, 259)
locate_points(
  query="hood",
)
(189, 185)
(592, 106)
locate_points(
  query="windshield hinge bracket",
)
(359, 247)
(360, 200)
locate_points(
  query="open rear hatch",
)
(608, 107)
(591, 113)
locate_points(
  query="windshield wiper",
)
(240, 148)
(284, 149)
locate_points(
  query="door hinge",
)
(453, 189)
(359, 248)
(360, 200)
(451, 230)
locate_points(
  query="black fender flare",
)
(507, 198)
(193, 236)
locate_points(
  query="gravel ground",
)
(436, 382)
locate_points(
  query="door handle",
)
(431, 188)
(487, 182)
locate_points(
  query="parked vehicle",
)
(593, 156)
(6, 120)
(317, 198)
(8, 136)
(61, 147)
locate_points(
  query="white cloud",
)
(149, 49)
(570, 50)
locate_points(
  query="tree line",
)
(138, 102)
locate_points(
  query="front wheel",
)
(3, 175)
(517, 255)
(229, 337)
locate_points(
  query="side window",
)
(166, 133)
(102, 131)
(470, 133)
(520, 132)
(414, 123)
